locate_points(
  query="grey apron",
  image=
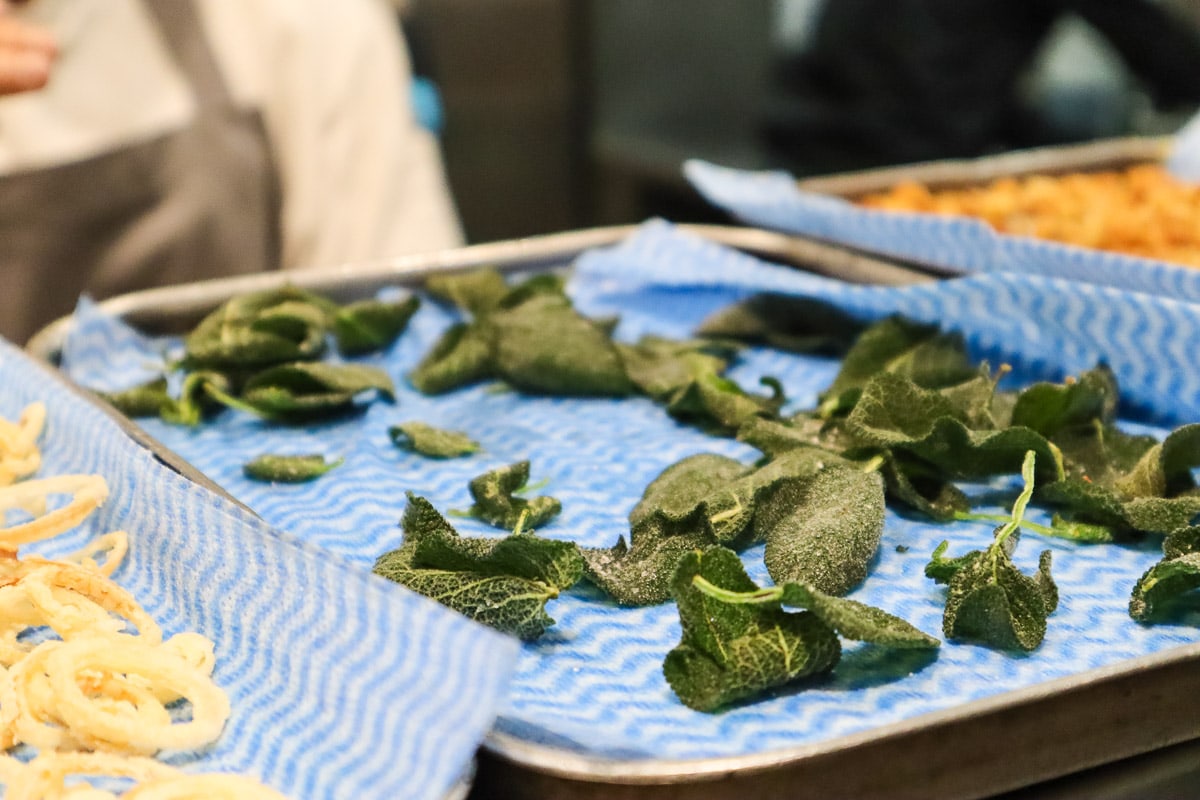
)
(201, 202)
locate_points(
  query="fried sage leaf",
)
(1162, 584)
(696, 480)
(640, 574)
(504, 583)
(719, 405)
(371, 325)
(305, 390)
(143, 400)
(989, 600)
(900, 347)
(661, 367)
(544, 346)
(461, 357)
(497, 503)
(797, 324)
(289, 469)
(433, 442)
(1157, 493)
(824, 530)
(894, 413)
(733, 651)
(195, 402)
(259, 329)
(850, 618)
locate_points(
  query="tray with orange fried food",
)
(1118, 213)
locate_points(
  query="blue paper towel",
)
(341, 684)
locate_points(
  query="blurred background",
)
(561, 114)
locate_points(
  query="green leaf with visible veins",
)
(682, 487)
(496, 502)
(1162, 584)
(903, 348)
(289, 469)
(989, 600)
(732, 651)
(1155, 494)
(504, 583)
(371, 325)
(430, 441)
(850, 618)
(640, 574)
(896, 414)
(1052, 407)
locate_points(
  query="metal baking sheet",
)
(971, 749)
(956, 173)
(822, 208)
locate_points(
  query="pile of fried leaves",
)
(261, 352)
(530, 336)
(909, 397)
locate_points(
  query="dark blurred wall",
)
(511, 76)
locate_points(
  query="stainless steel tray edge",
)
(1106, 153)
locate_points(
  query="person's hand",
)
(26, 54)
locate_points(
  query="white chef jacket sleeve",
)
(361, 179)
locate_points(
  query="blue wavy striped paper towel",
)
(341, 684)
(773, 200)
(594, 685)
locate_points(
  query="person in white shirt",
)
(154, 142)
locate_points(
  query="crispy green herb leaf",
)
(304, 390)
(661, 367)
(894, 413)
(640, 574)
(1156, 493)
(1050, 407)
(504, 583)
(797, 324)
(430, 441)
(259, 329)
(194, 401)
(543, 346)
(496, 502)
(850, 618)
(733, 651)
(1162, 584)
(682, 487)
(144, 400)
(823, 530)
(476, 292)
(371, 325)
(462, 356)
(719, 405)
(1182, 541)
(289, 469)
(989, 600)
(901, 347)
(913, 483)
